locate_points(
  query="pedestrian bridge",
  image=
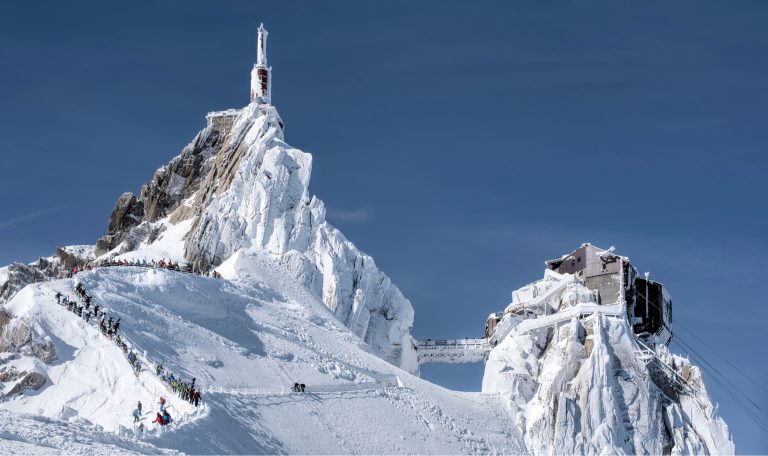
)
(452, 351)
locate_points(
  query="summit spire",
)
(261, 74)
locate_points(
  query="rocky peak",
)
(243, 188)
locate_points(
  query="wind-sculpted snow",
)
(32, 435)
(246, 344)
(581, 387)
(249, 194)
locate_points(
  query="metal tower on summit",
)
(261, 74)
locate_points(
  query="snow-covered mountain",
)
(298, 302)
(241, 190)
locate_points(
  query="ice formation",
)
(578, 382)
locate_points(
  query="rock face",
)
(181, 178)
(17, 337)
(128, 212)
(18, 275)
(245, 189)
(21, 381)
(18, 340)
(581, 388)
(131, 218)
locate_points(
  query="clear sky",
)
(459, 143)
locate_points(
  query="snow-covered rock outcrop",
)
(584, 386)
(245, 190)
(16, 276)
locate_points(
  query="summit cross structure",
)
(261, 80)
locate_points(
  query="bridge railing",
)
(447, 344)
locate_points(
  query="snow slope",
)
(31, 435)
(246, 342)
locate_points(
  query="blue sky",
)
(460, 144)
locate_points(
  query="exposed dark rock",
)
(68, 260)
(181, 178)
(9, 374)
(20, 275)
(5, 318)
(132, 218)
(27, 381)
(105, 243)
(16, 336)
(127, 213)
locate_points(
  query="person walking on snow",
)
(138, 407)
(136, 415)
(162, 403)
(159, 419)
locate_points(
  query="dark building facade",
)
(614, 280)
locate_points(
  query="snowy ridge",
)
(245, 344)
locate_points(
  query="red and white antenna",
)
(261, 74)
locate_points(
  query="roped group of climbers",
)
(185, 390)
(163, 418)
(106, 323)
(83, 310)
(110, 328)
(143, 263)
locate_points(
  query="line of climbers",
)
(143, 263)
(185, 390)
(110, 328)
(163, 417)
